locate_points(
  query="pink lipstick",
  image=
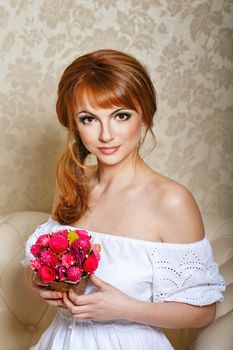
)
(109, 150)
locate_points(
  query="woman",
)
(156, 267)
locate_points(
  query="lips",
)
(109, 150)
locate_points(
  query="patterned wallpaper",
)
(187, 46)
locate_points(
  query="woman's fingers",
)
(41, 290)
(52, 298)
(55, 302)
(48, 294)
(79, 311)
(69, 303)
(80, 299)
(99, 283)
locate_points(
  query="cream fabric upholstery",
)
(23, 316)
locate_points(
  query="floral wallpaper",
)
(187, 47)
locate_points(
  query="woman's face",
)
(112, 135)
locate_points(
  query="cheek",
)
(87, 134)
(132, 132)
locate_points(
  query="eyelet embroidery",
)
(186, 275)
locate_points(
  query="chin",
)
(114, 159)
(109, 160)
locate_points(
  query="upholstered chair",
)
(23, 317)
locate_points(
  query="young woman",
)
(156, 268)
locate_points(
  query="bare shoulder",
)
(180, 217)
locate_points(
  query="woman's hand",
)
(105, 304)
(52, 298)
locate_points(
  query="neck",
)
(118, 176)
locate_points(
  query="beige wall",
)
(187, 46)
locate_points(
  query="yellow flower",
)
(72, 236)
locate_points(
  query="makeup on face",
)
(88, 118)
(109, 150)
(111, 134)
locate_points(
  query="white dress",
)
(145, 270)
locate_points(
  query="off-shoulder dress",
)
(148, 271)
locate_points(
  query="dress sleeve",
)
(186, 273)
(44, 228)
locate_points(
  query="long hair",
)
(106, 78)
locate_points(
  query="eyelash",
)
(126, 114)
(84, 118)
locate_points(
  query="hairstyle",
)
(107, 78)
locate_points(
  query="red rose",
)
(58, 243)
(36, 250)
(90, 264)
(47, 274)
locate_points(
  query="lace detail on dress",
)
(186, 273)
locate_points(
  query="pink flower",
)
(49, 258)
(62, 233)
(36, 250)
(58, 243)
(43, 240)
(47, 274)
(90, 264)
(65, 255)
(36, 264)
(67, 260)
(78, 255)
(96, 250)
(74, 274)
(62, 273)
(82, 233)
(82, 242)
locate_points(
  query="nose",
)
(106, 133)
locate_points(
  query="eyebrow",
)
(117, 110)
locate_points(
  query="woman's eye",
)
(87, 119)
(123, 116)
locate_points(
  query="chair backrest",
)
(23, 315)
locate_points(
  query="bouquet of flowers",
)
(64, 259)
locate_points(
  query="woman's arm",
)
(171, 314)
(109, 303)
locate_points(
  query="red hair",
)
(106, 78)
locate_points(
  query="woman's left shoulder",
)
(179, 212)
